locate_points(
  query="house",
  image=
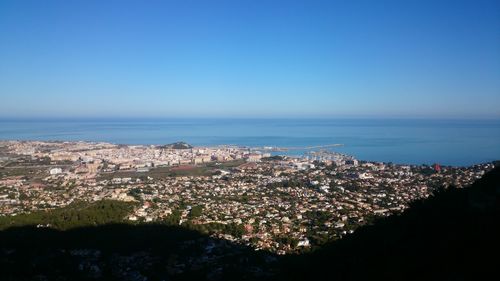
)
(303, 243)
(55, 171)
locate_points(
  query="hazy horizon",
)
(214, 117)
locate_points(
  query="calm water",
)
(450, 142)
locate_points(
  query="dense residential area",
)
(246, 196)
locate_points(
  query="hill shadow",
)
(450, 236)
(126, 252)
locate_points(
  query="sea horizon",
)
(456, 142)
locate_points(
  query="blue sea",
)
(448, 142)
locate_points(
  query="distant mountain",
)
(177, 145)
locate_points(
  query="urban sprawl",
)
(245, 195)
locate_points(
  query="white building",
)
(253, 157)
(55, 171)
(303, 243)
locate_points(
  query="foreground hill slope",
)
(453, 235)
(450, 236)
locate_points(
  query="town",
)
(246, 195)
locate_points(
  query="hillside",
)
(177, 145)
(450, 236)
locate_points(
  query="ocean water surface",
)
(449, 142)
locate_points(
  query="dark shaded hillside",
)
(453, 235)
(126, 252)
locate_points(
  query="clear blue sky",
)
(250, 58)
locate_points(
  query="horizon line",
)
(343, 117)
